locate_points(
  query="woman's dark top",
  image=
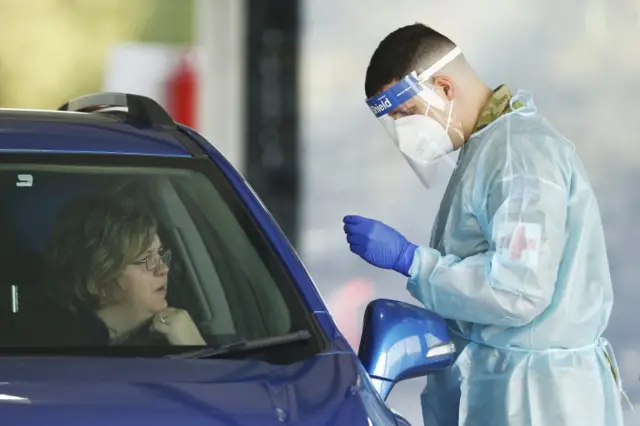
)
(44, 322)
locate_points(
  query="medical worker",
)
(517, 262)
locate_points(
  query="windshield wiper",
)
(244, 346)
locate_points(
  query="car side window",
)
(82, 244)
(256, 303)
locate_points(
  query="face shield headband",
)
(410, 87)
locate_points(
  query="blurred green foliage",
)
(54, 50)
(171, 22)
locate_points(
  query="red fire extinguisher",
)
(181, 94)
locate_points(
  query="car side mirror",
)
(402, 341)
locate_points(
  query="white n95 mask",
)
(420, 122)
(422, 138)
(425, 145)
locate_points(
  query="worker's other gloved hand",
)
(379, 244)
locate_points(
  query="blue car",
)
(262, 348)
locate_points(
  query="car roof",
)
(110, 132)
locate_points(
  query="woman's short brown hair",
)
(95, 237)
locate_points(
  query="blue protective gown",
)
(518, 267)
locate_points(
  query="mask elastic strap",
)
(449, 116)
(441, 63)
(428, 108)
(437, 66)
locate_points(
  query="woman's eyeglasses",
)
(153, 260)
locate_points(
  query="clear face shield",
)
(421, 123)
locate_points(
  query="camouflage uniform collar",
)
(497, 106)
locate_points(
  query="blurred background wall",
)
(278, 88)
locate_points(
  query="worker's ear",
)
(444, 86)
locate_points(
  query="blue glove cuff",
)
(403, 264)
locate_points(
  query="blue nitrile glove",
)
(379, 244)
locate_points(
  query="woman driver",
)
(106, 256)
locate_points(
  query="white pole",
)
(220, 41)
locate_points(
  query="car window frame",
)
(299, 306)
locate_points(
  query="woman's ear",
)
(110, 293)
(102, 297)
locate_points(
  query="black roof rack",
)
(140, 109)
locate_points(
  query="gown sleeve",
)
(522, 210)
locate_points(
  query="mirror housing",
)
(401, 341)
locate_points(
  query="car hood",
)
(324, 390)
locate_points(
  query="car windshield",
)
(138, 256)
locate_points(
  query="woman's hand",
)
(178, 327)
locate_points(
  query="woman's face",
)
(143, 290)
